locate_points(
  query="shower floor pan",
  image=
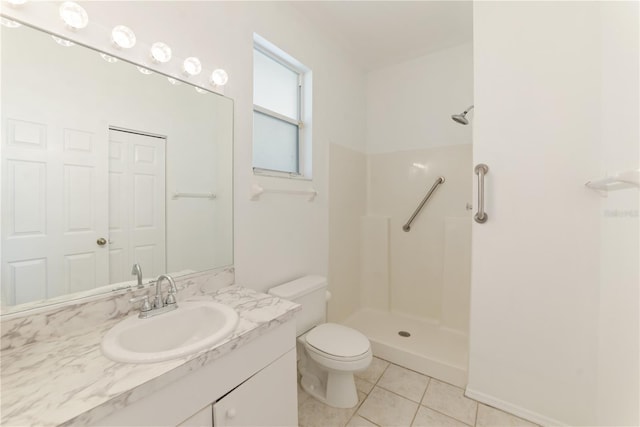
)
(430, 349)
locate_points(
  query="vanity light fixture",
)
(191, 66)
(174, 81)
(9, 23)
(110, 59)
(73, 15)
(219, 77)
(123, 37)
(63, 42)
(75, 18)
(160, 53)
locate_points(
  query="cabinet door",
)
(202, 418)
(269, 398)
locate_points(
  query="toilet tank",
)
(311, 293)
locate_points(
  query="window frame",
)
(278, 56)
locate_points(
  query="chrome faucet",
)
(158, 306)
(171, 297)
(137, 270)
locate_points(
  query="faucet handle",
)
(146, 306)
(171, 296)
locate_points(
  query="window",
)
(280, 126)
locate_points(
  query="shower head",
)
(462, 118)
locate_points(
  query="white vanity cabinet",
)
(253, 385)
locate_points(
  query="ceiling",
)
(381, 33)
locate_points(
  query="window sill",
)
(277, 174)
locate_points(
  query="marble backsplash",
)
(76, 316)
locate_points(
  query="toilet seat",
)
(338, 347)
(337, 341)
(332, 357)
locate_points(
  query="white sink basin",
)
(191, 327)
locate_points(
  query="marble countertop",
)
(69, 382)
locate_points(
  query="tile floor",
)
(390, 395)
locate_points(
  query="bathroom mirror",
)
(104, 166)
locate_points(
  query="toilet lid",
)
(338, 340)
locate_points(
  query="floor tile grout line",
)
(358, 406)
(451, 416)
(428, 384)
(420, 402)
(392, 392)
(475, 421)
(415, 414)
(400, 396)
(425, 390)
(448, 416)
(382, 373)
(369, 420)
(397, 394)
(366, 395)
(422, 373)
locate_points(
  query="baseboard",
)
(516, 410)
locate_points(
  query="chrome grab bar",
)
(407, 226)
(481, 170)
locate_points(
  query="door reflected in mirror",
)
(104, 167)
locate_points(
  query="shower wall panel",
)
(374, 289)
(429, 265)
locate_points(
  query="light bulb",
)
(192, 66)
(110, 59)
(199, 90)
(73, 15)
(160, 52)
(144, 70)
(123, 37)
(63, 42)
(174, 81)
(219, 77)
(9, 23)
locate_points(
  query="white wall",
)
(619, 298)
(279, 237)
(409, 105)
(536, 271)
(347, 205)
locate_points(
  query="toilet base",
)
(338, 392)
(334, 388)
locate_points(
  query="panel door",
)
(254, 403)
(136, 204)
(202, 418)
(54, 196)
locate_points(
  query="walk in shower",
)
(415, 280)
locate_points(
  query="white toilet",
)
(328, 353)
